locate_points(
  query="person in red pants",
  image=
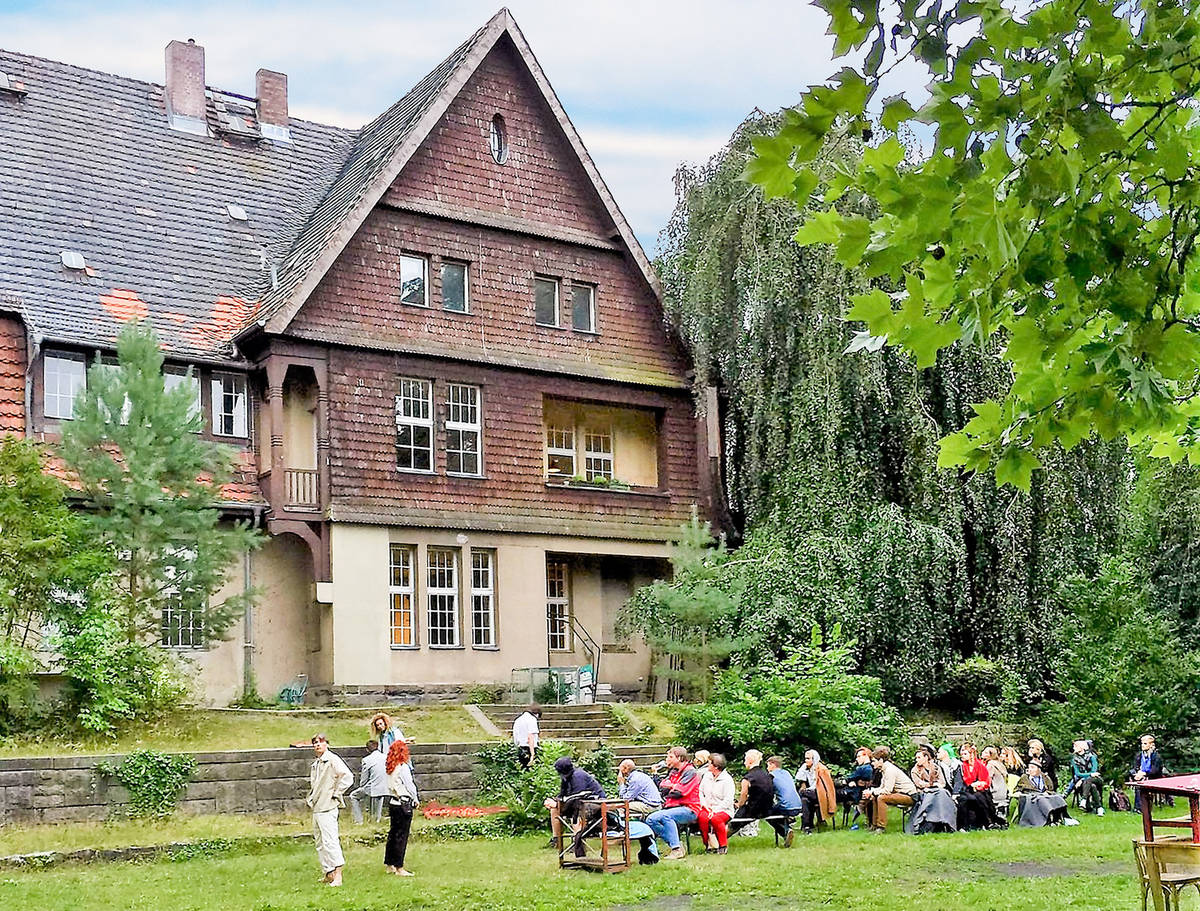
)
(716, 806)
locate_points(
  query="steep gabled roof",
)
(385, 147)
(88, 164)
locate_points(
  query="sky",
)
(648, 84)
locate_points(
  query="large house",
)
(435, 343)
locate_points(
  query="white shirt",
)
(525, 725)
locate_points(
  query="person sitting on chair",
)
(638, 788)
(974, 793)
(716, 806)
(1085, 778)
(1045, 759)
(998, 776)
(575, 786)
(1147, 764)
(1039, 805)
(788, 802)
(895, 790)
(926, 773)
(817, 801)
(861, 777)
(757, 796)
(681, 801)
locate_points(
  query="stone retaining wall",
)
(68, 788)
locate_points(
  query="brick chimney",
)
(271, 89)
(186, 102)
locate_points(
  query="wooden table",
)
(612, 852)
(1187, 786)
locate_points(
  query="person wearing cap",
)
(574, 787)
(328, 780)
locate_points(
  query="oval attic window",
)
(499, 140)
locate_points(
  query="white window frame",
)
(424, 261)
(483, 598)
(408, 414)
(597, 463)
(557, 301)
(177, 622)
(466, 271)
(442, 589)
(464, 415)
(175, 375)
(591, 290)
(240, 415)
(559, 637)
(67, 384)
(564, 435)
(402, 576)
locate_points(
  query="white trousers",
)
(329, 847)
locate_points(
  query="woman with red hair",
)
(403, 790)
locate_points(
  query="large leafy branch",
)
(1055, 209)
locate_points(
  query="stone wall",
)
(68, 788)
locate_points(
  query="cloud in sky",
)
(648, 85)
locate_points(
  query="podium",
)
(603, 832)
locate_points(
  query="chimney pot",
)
(186, 102)
(271, 89)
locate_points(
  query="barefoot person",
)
(328, 780)
(403, 790)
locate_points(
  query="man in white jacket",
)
(328, 780)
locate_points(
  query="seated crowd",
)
(948, 789)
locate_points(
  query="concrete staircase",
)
(561, 722)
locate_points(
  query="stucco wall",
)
(361, 649)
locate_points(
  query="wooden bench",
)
(689, 829)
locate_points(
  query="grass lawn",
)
(1088, 866)
(199, 730)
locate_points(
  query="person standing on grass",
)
(525, 734)
(328, 781)
(372, 781)
(402, 790)
(385, 731)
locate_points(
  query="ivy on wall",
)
(155, 780)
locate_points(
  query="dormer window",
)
(499, 140)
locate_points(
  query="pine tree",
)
(690, 622)
(152, 487)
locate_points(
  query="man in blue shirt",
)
(787, 798)
(638, 788)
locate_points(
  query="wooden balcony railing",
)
(302, 489)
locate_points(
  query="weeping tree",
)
(832, 447)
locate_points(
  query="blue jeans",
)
(665, 823)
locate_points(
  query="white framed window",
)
(483, 598)
(597, 454)
(441, 619)
(455, 290)
(464, 428)
(558, 606)
(414, 425)
(64, 376)
(182, 618)
(545, 301)
(583, 308)
(560, 451)
(230, 407)
(175, 376)
(402, 620)
(414, 280)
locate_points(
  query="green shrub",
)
(810, 700)
(1121, 671)
(155, 780)
(482, 694)
(523, 792)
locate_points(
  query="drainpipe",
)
(248, 616)
(33, 347)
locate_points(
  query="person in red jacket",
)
(681, 801)
(975, 807)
